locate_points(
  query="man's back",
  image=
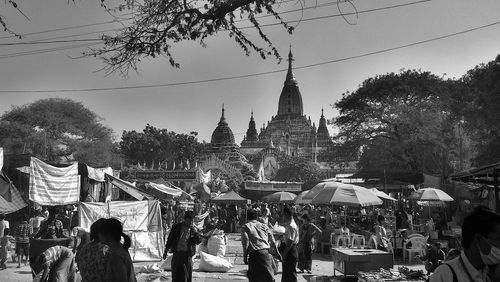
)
(257, 233)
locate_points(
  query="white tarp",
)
(98, 174)
(1, 158)
(141, 221)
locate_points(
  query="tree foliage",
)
(154, 145)
(158, 25)
(57, 130)
(404, 121)
(480, 110)
(298, 169)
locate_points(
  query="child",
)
(4, 242)
(23, 234)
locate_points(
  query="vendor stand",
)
(350, 261)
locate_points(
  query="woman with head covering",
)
(92, 255)
(119, 266)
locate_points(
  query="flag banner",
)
(97, 174)
(205, 177)
(141, 221)
(1, 158)
(12, 201)
(53, 186)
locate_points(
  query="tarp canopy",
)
(127, 187)
(141, 221)
(230, 197)
(480, 175)
(10, 200)
(165, 189)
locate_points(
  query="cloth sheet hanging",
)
(53, 186)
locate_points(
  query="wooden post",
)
(495, 186)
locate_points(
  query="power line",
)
(244, 27)
(48, 50)
(255, 74)
(62, 29)
(47, 41)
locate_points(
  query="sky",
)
(323, 50)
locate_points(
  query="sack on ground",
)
(167, 263)
(211, 263)
(217, 244)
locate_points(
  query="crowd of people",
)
(102, 254)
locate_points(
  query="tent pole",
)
(495, 186)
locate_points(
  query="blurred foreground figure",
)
(58, 265)
(480, 259)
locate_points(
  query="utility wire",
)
(47, 41)
(255, 74)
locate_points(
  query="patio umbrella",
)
(300, 200)
(230, 197)
(283, 197)
(381, 194)
(346, 195)
(440, 204)
(431, 194)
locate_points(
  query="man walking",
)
(182, 241)
(256, 238)
(290, 253)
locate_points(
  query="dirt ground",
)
(322, 266)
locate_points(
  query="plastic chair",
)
(417, 247)
(343, 240)
(372, 242)
(358, 241)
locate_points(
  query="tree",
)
(298, 169)
(57, 130)
(158, 25)
(480, 112)
(402, 121)
(154, 145)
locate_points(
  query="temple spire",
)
(290, 78)
(322, 115)
(222, 117)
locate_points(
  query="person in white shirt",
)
(290, 253)
(4, 224)
(480, 259)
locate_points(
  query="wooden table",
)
(350, 261)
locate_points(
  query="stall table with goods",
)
(351, 261)
(383, 275)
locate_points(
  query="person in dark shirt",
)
(433, 257)
(182, 241)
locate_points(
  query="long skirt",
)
(305, 257)
(182, 267)
(63, 270)
(290, 266)
(260, 267)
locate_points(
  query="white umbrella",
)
(345, 195)
(381, 194)
(431, 194)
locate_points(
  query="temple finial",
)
(222, 117)
(290, 78)
(322, 112)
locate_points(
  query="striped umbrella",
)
(345, 195)
(283, 197)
